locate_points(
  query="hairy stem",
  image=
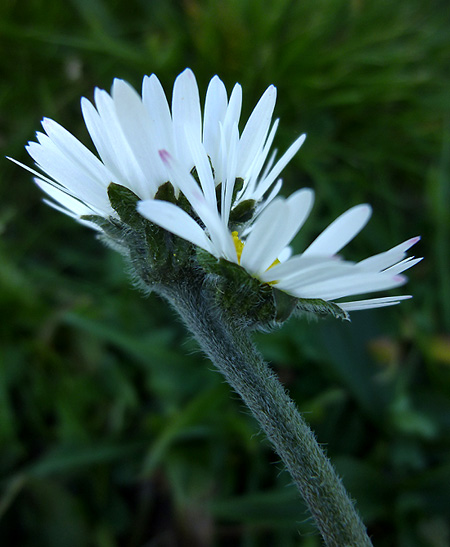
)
(233, 353)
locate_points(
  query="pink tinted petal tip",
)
(413, 240)
(47, 123)
(165, 156)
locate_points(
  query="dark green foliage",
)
(113, 429)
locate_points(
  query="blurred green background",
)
(114, 430)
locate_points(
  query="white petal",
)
(71, 214)
(372, 303)
(299, 267)
(263, 239)
(204, 172)
(383, 260)
(348, 285)
(403, 265)
(230, 175)
(221, 160)
(285, 254)
(99, 134)
(214, 114)
(273, 194)
(219, 233)
(75, 206)
(155, 102)
(40, 176)
(341, 231)
(175, 220)
(186, 115)
(269, 164)
(69, 204)
(136, 125)
(182, 179)
(255, 131)
(72, 176)
(315, 274)
(265, 184)
(233, 113)
(274, 229)
(72, 149)
(300, 204)
(111, 142)
(255, 170)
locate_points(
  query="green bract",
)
(158, 257)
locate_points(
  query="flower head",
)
(196, 176)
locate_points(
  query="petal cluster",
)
(317, 273)
(129, 131)
(142, 143)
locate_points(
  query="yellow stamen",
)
(239, 246)
(274, 263)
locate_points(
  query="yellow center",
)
(239, 246)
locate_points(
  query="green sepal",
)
(285, 305)
(124, 202)
(243, 211)
(183, 203)
(243, 297)
(100, 221)
(166, 192)
(238, 185)
(207, 261)
(317, 306)
(112, 227)
(222, 267)
(194, 174)
(219, 196)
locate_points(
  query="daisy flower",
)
(230, 179)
